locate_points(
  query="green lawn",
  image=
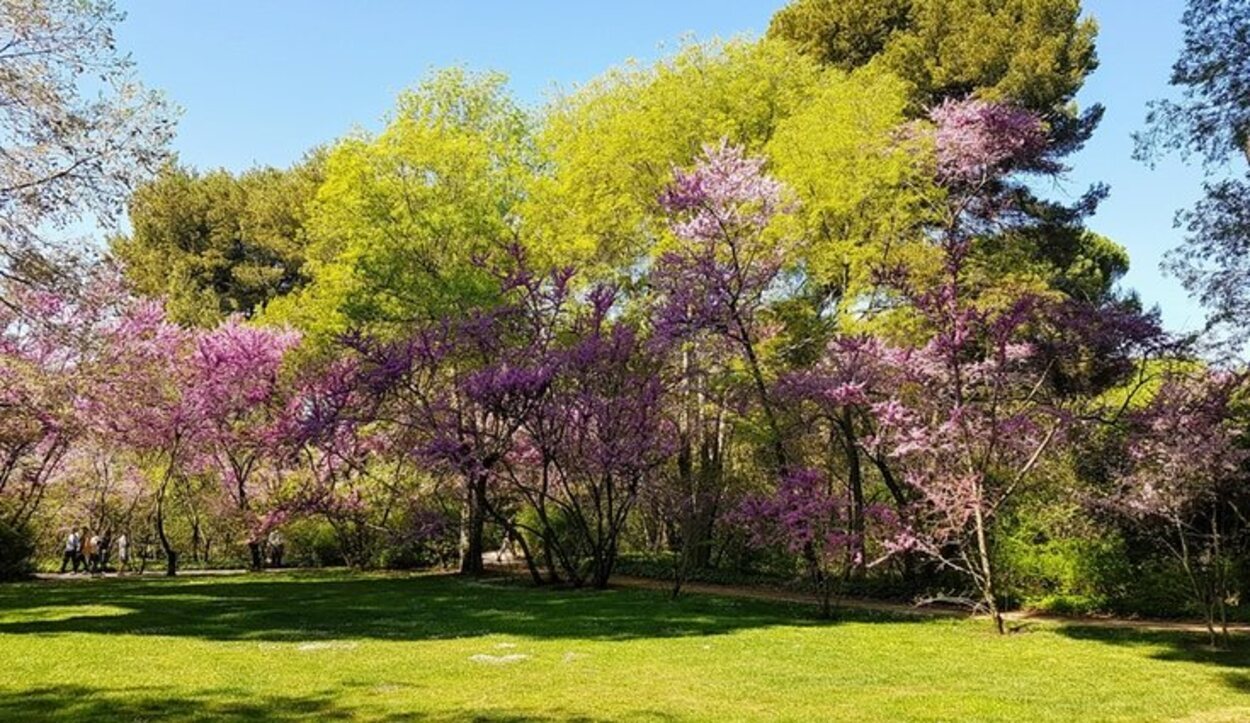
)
(334, 646)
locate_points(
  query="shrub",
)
(17, 551)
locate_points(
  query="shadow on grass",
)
(1185, 647)
(294, 607)
(70, 702)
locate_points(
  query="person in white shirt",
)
(123, 553)
(73, 550)
(277, 546)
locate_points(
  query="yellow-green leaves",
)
(611, 146)
(863, 181)
(402, 217)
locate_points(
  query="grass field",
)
(340, 646)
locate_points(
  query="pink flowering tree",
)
(236, 392)
(38, 376)
(49, 340)
(1183, 483)
(138, 401)
(969, 418)
(714, 284)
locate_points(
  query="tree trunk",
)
(855, 479)
(472, 527)
(171, 557)
(258, 560)
(987, 572)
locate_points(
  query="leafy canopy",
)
(402, 218)
(217, 243)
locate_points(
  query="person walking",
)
(277, 546)
(73, 549)
(91, 551)
(106, 549)
(123, 553)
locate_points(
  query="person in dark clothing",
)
(106, 542)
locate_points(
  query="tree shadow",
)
(72, 702)
(1179, 646)
(295, 607)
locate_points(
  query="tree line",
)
(799, 304)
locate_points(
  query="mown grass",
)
(387, 647)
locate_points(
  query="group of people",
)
(91, 552)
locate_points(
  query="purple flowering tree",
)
(236, 393)
(455, 392)
(838, 394)
(805, 516)
(591, 445)
(1184, 483)
(716, 280)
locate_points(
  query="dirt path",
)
(1018, 618)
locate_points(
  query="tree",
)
(1031, 53)
(968, 422)
(42, 373)
(1183, 483)
(1212, 116)
(611, 146)
(236, 393)
(1212, 120)
(806, 517)
(401, 217)
(138, 401)
(717, 276)
(454, 390)
(216, 244)
(67, 155)
(591, 444)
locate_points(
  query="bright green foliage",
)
(218, 243)
(863, 186)
(1034, 53)
(611, 146)
(403, 215)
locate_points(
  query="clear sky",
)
(261, 81)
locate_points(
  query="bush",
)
(1054, 558)
(312, 543)
(17, 551)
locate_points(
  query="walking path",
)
(1014, 617)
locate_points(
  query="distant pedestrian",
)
(123, 552)
(277, 546)
(91, 552)
(106, 549)
(73, 550)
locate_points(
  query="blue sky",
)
(261, 81)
